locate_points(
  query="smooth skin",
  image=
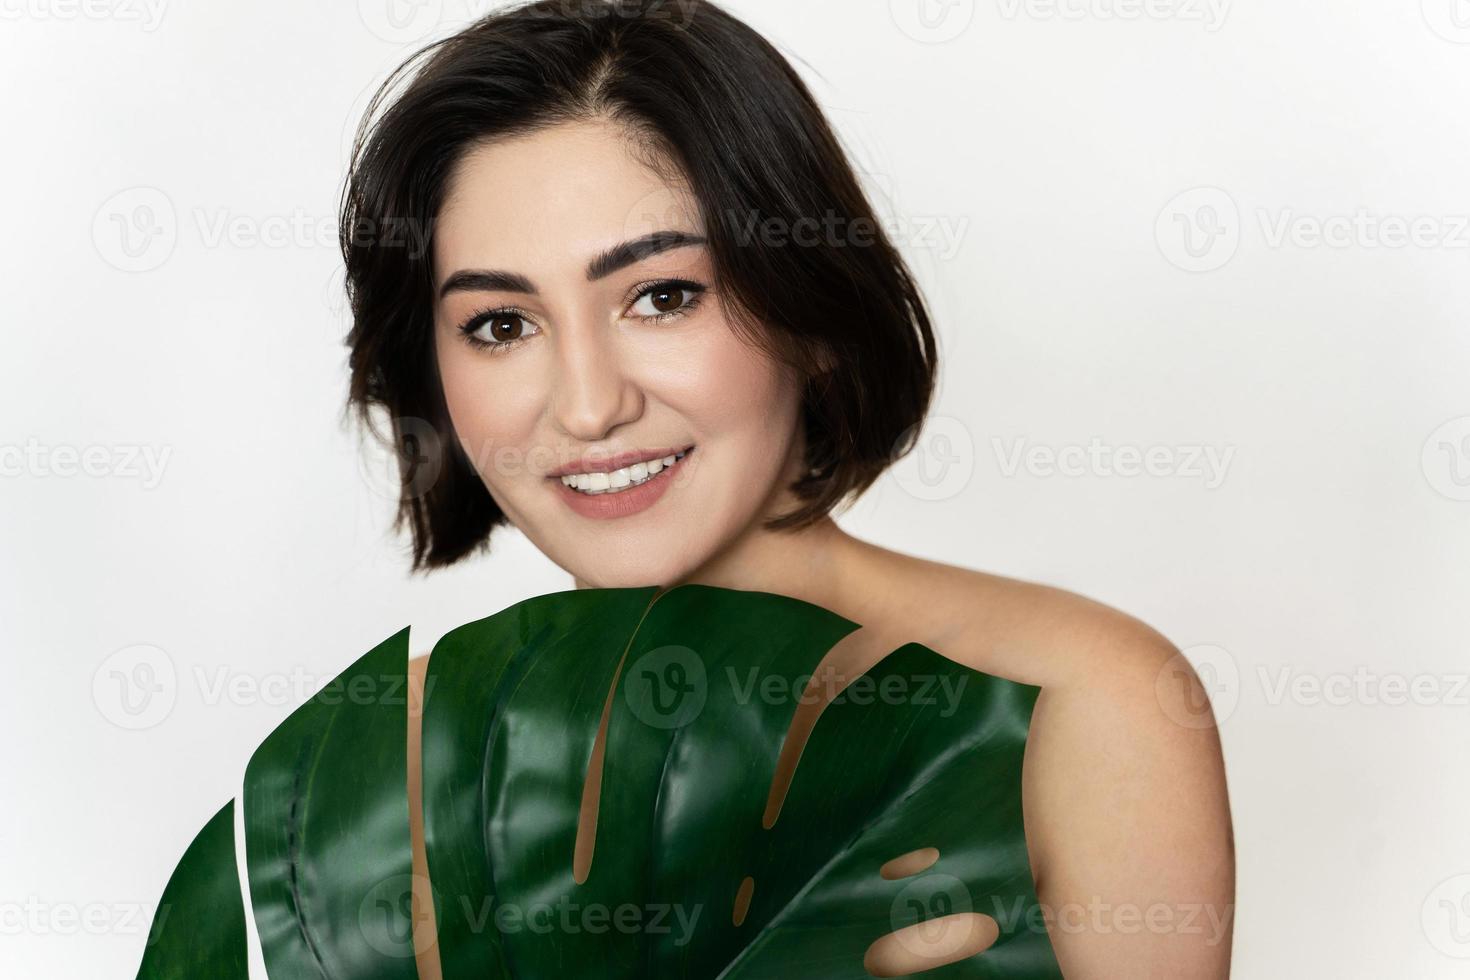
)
(1126, 811)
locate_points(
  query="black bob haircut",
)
(717, 103)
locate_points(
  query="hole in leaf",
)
(909, 864)
(742, 899)
(931, 944)
(421, 901)
(592, 786)
(848, 659)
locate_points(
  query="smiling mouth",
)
(616, 481)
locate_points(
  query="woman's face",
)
(586, 343)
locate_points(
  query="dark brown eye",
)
(505, 327)
(498, 330)
(667, 299)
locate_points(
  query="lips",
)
(601, 463)
(629, 498)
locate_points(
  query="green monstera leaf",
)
(697, 687)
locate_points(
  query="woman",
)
(658, 331)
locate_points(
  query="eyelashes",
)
(510, 317)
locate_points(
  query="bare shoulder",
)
(1018, 629)
(1126, 806)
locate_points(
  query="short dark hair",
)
(708, 95)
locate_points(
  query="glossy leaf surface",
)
(698, 686)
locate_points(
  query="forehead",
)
(553, 198)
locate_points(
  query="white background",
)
(1049, 160)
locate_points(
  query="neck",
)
(816, 564)
(820, 563)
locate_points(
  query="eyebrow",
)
(612, 260)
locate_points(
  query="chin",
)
(630, 573)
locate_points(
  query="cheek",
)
(492, 409)
(729, 388)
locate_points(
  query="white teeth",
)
(628, 476)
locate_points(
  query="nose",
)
(592, 393)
